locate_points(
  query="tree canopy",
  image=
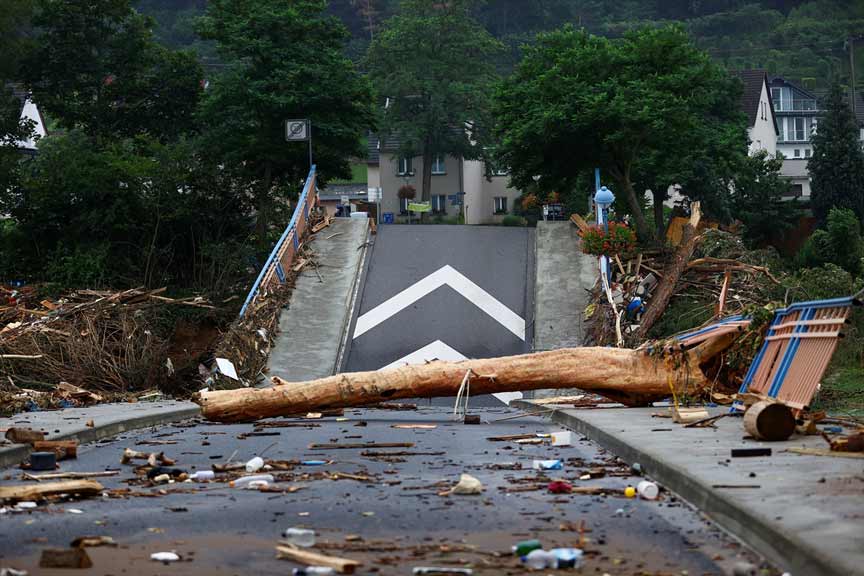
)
(837, 164)
(579, 101)
(432, 64)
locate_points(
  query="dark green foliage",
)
(837, 165)
(828, 281)
(757, 199)
(512, 220)
(577, 101)
(285, 61)
(839, 243)
(95, 66)
(432, 65)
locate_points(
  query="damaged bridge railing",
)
(274, 270)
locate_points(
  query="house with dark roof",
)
(757, 105)
(485, 200)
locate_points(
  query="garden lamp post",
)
(604, 198)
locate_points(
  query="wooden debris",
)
(823, 452)
(65, 558)
(510, 437)
(64, 449)
(704, 422)
(152, 458)
(688, 415)
(415, 426)
(40, 491)
(633, 377)
(309, 558)
(68, 475)
(361, 445)
(24, 435)
(374, 454)
(770, 421)
(853, 443)
(93, 542)
(75, 393)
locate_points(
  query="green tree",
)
(577, 101)
(839, 243)
(96, 66)
(837, 165)
(757, 199)
(285, 60)
(432, 63)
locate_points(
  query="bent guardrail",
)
(286, 248)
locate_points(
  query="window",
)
(403, 205)
(439, 203)
(794, 191)
(806, 152)
(798, 128)
(438, 165)
(406, 167)
(814, 122)
(500, 205)
(797, 153)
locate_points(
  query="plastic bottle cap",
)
(630, 492)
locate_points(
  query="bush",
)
(511, 220)
(840, 243)
(618, 240)
(829, 281)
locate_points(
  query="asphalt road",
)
(398, 513)
(444, 292)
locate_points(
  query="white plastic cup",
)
(541, 559)
(254, 465)
(648, 490)
(562, 438)
(302, 537)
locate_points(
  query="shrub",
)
(619, 240)
(511, 220)
(828, 281)
(839, 243)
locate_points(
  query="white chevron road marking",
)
(438, 350)
(446, 275)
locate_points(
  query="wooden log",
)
(309, 558)
(632, 377)
(64, 449)
(39, 491)
(672, 273)
(24, 435)
(770, 421)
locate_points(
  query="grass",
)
(359, 173)
(843, 385)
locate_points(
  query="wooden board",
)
(40, 491)
(309, 558)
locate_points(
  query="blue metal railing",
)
(273, 262)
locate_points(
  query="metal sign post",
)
(300, 131)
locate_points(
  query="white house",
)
(29, 111)
(756, 103)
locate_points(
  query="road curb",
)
(767, 538)
(14, 455)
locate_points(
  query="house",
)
(757, 104)
(29, 111)
(798, 113)
(485, 201)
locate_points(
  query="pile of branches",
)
(105, 342)
(720, 277)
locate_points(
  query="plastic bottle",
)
(300, 537)
(524, 547)
(540, 559)
(254, 465)
(568, 557)
(648, 490)
(244, 481)
(203, 476)
(547, 465)
(314, 571)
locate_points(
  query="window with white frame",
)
(406, 167)
(806, 152)
(797, 153)
(438, 165)
(500, 204)
(798, 130)
(439, 203)
(403, 205)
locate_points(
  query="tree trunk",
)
(426, 189)
(671, 274)
(632, 377)
(659, 220)
(642, 229)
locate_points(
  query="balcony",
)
(798, 105)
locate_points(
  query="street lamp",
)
(603, 199)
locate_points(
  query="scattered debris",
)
(769, 420)
(65, 558)
(750, 452)
(467, 485)
(24, 435)
(81, 488)
(165, 557)
(415, 426)
(341, 565)
(361, 445)
(93, 542)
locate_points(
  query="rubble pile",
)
(96, 341)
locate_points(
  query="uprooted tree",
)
(633, 377)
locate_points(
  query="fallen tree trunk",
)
(632, 377)
(672, 273)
